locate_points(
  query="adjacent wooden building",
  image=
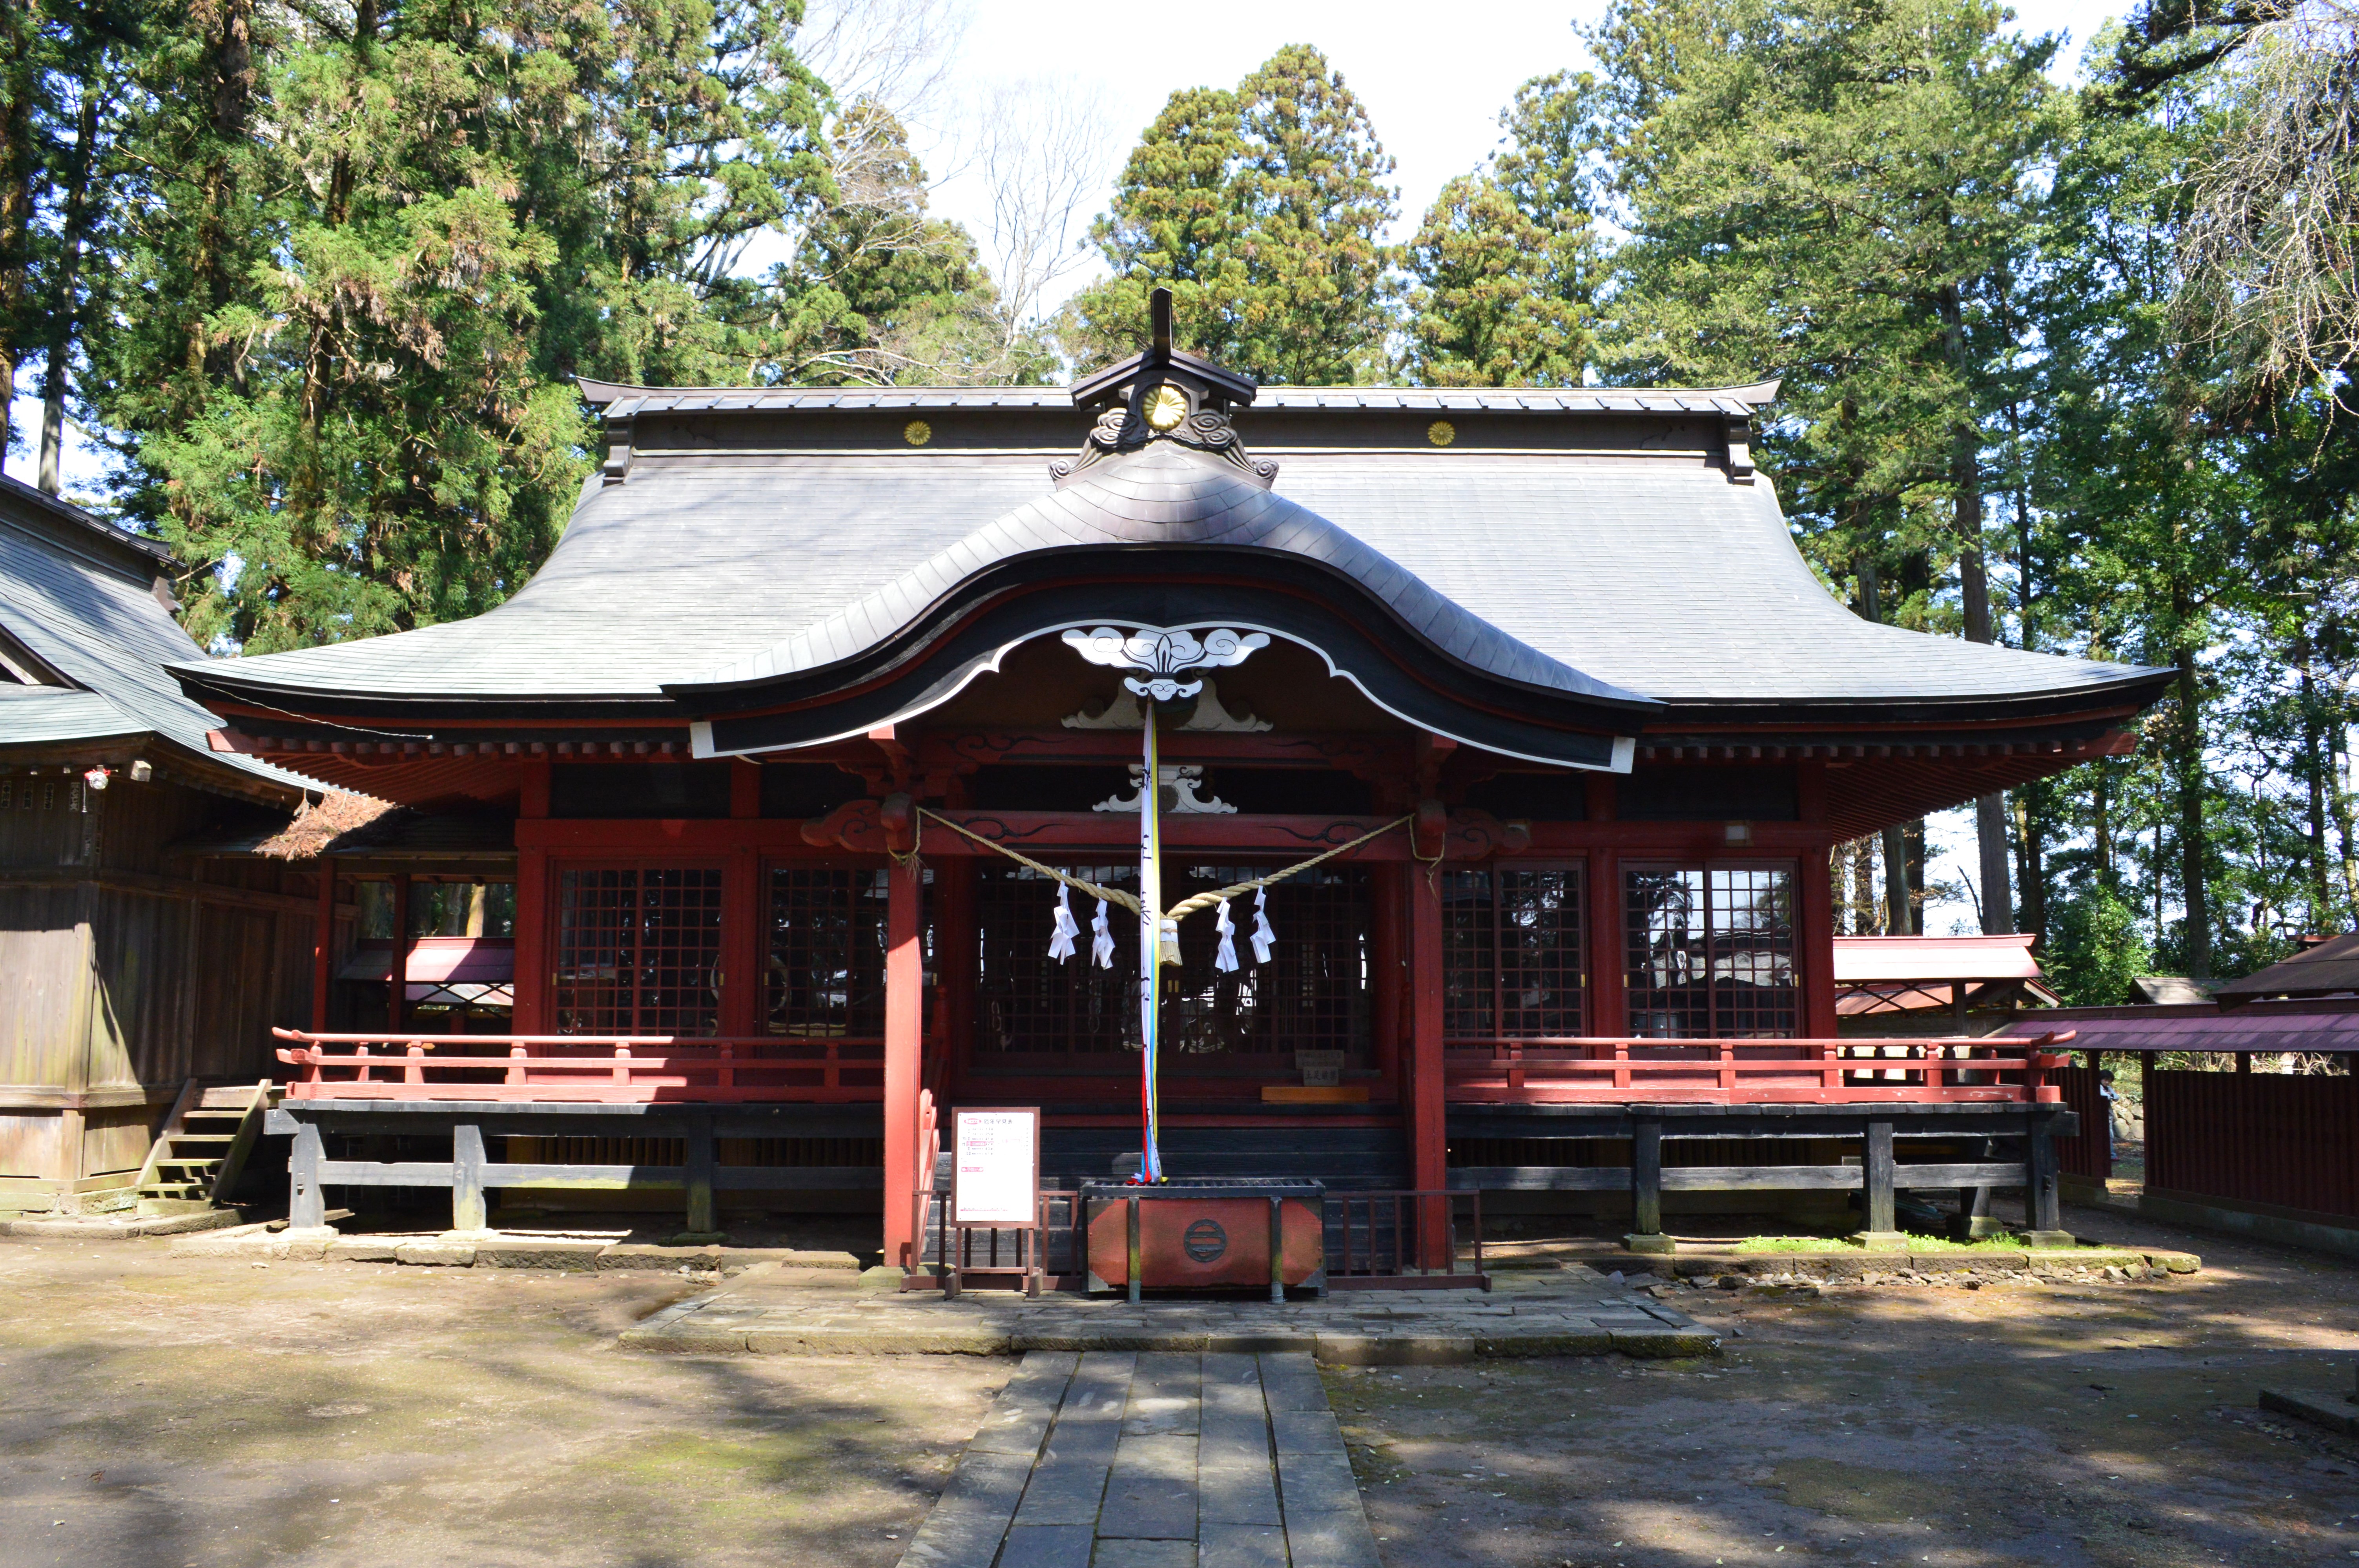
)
(806, 662)
(126, 970)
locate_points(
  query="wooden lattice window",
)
(638, 951)
(1029, 1004)
(826, 969)
(1312, 995)
(1710, 952)
(1513, 954)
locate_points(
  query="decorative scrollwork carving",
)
(1164, 653)
(1125, 427)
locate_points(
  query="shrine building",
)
(807, 663)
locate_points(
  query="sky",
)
(1433, 79)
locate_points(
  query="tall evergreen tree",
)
(1831, 191)
(374, 241)
(1262, 209)
(1507, 261)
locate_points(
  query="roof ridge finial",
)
(1159, 316)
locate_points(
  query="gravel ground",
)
(2057, 1425)
(159, 1410)
(169, 1410)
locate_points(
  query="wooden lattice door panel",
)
(1710, 952)
(1312, 995)
(638, 951)
(825, 973)
(1514, 958)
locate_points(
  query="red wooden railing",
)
(2286, 1139)
(1754, 1072)
(601, 1069)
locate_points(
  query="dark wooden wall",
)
(125, 971)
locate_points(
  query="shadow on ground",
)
(2106, 1426)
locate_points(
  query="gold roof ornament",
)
(1165, 407)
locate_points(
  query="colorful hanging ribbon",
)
(1150, 944)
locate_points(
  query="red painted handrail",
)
(606, 1069)
(1754, 1071)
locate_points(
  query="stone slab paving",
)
(1153, 1459)
(1556, 1312)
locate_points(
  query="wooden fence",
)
(2290, 1140)
(2083, 1154)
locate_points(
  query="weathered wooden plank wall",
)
(125, 971)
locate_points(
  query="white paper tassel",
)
(1225, 958)
(1101, 938)
(1263, 938)
(1061, 940)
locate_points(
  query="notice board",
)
(996, 1170)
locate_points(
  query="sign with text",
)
(995, 1180)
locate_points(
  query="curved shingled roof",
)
(1163, 494)
(764, 536)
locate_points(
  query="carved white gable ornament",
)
(1165, 655)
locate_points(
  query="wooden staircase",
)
(203, 1146)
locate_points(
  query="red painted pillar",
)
(535, 940)
(1815, 912)
(1428, 1104)
(1609, 987)
(905, 981)
(324, 946)
(397, 991)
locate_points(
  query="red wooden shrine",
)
(1564, 634)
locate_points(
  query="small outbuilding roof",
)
(2329, 969)
(83, 606)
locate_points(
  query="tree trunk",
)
(65, 305)
(2338, 754)
(1863, 887)
(18, 158)
(1896, 905)
(2314, 764)
(1974, 586)
(2193, 873)
(1912, 835)
(2031, 861)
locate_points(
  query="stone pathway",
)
(784, 1311)
(1153, 1460)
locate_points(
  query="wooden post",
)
(397, 988)
(2041, 1201)
(1876, 1174)
(306, 1206)
(904, 1036)
(535, 940)
(702, 1158)
(1815, 945)
(1646, 1189)
(1608, 981)
(1428, 1104)
(324, 946)
(468, 1211)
